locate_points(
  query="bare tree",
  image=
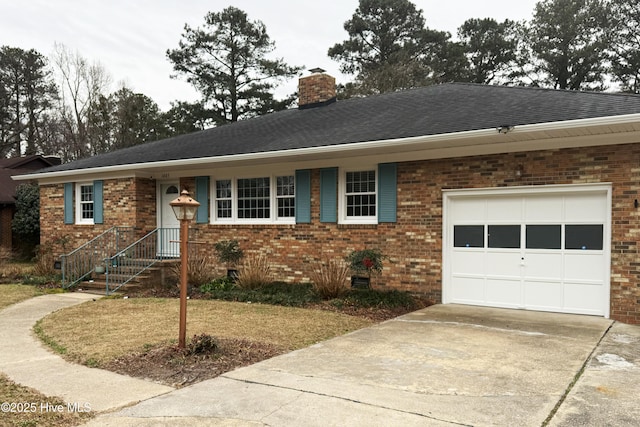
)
(82, 85)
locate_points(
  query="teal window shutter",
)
(328, 195)
(202, 196)
(98, 207)
(68, 203)
(303, 196)
(387, 192)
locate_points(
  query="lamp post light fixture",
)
(185, 208)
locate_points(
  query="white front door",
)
(543, 248)
(168, 233)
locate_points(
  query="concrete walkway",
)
(26, 361)
(442, 366)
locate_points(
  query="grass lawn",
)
(12, 294)
(97, 332)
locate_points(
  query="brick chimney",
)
(316, 90)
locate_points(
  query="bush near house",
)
(306, 295)
(229, 253)
(254, 273)
(329, 278)
(199, 269)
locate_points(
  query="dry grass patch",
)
(12, 294)
(97, 332)
(13, 393)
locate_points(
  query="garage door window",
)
(468, 236)
(577, 237)
(544, 236)
(504, 236)
(584, 237)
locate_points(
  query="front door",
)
(169, 227)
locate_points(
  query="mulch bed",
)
(177, 367)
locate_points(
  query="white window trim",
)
(214, 202)
(342, 197)
(273, 200)
(78, 204)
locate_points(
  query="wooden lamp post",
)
(185, 208)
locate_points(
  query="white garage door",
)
(538, 248)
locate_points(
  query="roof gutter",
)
(419, 142)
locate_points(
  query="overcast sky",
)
(130, 37)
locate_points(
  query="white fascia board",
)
(588, 187)
(438, 143)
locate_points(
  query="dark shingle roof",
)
(432, 110)
(18, 166)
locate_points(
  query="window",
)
(263, 199)
(468, 236)
(223, 199)
(360, 195)
(504, 236)
(254, 198)
(84, 204)
(544, 236)
(584, 237)
(285, 196)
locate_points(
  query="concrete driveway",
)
(447, 365)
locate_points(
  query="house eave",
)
(564, 134)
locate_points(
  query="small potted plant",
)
(363, 264)
(230, 254)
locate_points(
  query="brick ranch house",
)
(497, 196)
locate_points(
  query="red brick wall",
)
(127, 202)
(414, 243)
(316, 88)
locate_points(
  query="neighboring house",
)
(487, 195)
(9, 168)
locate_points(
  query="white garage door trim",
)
(601, 191)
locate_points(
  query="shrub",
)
(330, 278)
(289, 294)
(219, 284)
(228, 252)
(199, 269)
(201, 344)
(44, 261)
(26, 222)
(381, 299)
(255, 273)
(13, 272)
(6, 255)
(365, 261)
(277, 293)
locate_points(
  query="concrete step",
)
(152, 276)
(99, 287)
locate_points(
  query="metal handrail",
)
(130, 262)
(81, 262)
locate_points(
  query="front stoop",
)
(158, 275)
